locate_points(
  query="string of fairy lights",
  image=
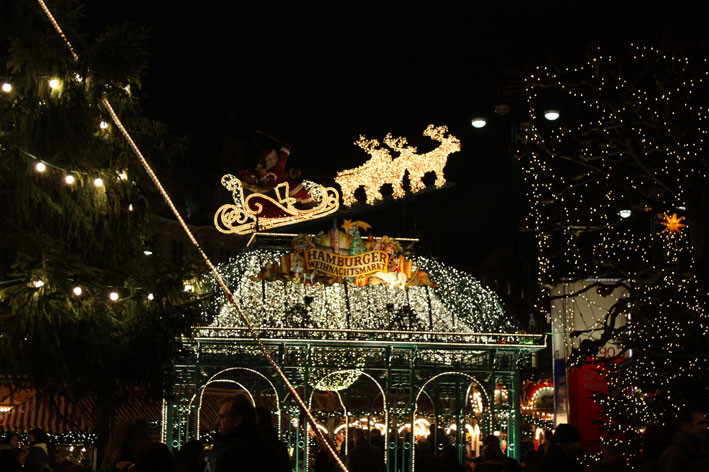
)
(605, 188)
(460, 303)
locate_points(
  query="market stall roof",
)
(53, 414)
(57, 414)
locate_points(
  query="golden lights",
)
(673, 223)
(382, 168)
(259, 211)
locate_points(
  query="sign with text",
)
(346, 266)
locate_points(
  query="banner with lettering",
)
(345, 255)
(330, 263)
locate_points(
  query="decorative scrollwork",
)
(248, 214)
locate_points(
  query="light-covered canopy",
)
(459, 303)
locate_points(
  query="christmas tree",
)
(86, 309)
(617, 191)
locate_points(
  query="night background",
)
(317, 75)
(560, 256)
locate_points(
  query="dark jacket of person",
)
(244, 449)
(37, 459)
(8, 459)
(491, 466)
(685, 454)
(364, 457)
(556, 460)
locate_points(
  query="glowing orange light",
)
(673, 223)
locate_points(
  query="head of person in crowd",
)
(359, 437)
(235, 411)
(11, 439)
(449, 457)
(493, 452)
(692, 421)
(124, 440)
(153, 457)
(191, 457)
(375, 434)
(568, 438)
(37, 436)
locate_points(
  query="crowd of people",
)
(247, 441)
(35, 457)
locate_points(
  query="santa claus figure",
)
(269, 172)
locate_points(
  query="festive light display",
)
(382, 168)
(460, 304)
(634, 150)
(258, 211)
(673, 223)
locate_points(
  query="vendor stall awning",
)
(53, 415)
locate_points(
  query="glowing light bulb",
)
(54, 83)
(69, 179)
(148, 252)
(625, 213)
(123, 176)
(41, 167)
(6, 87)
(103, 125)
(98, 182)
(151, 296)
(130, 207)
(77, 291)
(189, 288)
(113, 296)
(478, 122)
(551, 115)
(38, 283)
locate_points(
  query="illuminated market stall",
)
(372, 336)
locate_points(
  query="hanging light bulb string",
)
(321, 439)
(47, 163)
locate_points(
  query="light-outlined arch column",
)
(384, 406)
(214, 379)
(473, 381)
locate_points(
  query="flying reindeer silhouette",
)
(382, 168)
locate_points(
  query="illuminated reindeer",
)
(383, 169)
(374, 173)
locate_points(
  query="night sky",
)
(316, 75)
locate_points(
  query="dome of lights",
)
(458, 303)
(282, 299)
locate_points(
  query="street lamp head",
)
(478, 122)
(551, 115)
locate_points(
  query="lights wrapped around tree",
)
(633, 151)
